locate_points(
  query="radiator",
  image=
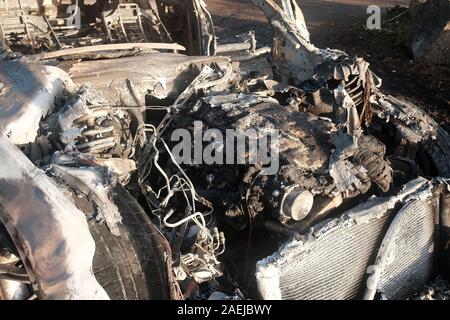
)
(406, 259)
(333, 260)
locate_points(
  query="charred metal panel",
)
(189, 23)
(27, 94)
(50, 233)
(161, 75)
(91, 182)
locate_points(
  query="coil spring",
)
(97, 138)
(355, 90)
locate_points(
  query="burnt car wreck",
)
(99, 201)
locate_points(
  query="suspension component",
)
(107, 133)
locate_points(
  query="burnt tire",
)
(130, 266)
(435, 140)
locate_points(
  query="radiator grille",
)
(334, 266)
(381, 245)
(411, 241)
(331, 263)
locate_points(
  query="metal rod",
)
(107, 47)
(55, 37)
(258, 53)
(233, 47)
(123, 29)
(97, 143)
(97, 131)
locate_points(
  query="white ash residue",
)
(439, 289)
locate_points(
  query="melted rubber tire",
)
(130, 266)
(436, 144)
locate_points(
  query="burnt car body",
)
(96, 204)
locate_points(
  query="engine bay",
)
(298, 181)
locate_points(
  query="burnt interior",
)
(33, 27)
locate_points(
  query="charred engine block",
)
(303, 190)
